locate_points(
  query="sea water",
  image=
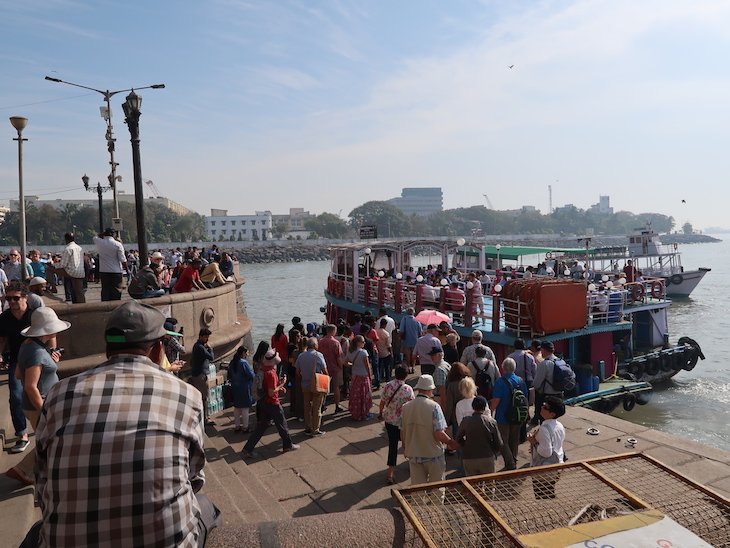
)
(694, 404)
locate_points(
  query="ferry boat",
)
(598, 325)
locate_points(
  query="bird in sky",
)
(511, 66)
(684, 201)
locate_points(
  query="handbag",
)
(321, 383)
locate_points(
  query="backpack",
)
(518, 411)
(563, 376)
(483, 380)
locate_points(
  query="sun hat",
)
(44, 321)
(425, 382)
(135, 322)
(157, 255)
(271, 357)
(37, 281)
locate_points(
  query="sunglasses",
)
(15, 298)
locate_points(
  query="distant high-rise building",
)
(419, 201)
(603, 205)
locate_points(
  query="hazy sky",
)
(325, 105)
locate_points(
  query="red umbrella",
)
(432, 316)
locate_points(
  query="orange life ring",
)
(637, 292)
(657, 289)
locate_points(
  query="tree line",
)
(477, 220)
(46, 225)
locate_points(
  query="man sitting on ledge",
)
(120, 448)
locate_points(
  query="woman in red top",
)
(280, 342)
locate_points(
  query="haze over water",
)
(693, 404)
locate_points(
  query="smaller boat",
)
(662, 365)
(613, 392)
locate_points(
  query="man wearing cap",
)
(145, 283)
(269, 407)
(200, 361)
(479, 438)
(440, 373)
(423, 347)
(423, 433)
(120, 448)
(544, 378)
(112, 263)
(36, 290)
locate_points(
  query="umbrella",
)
(432, 316)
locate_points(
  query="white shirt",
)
(72, 260)
(111, 254)
(550, 437)
(464, 409)
(390, 324)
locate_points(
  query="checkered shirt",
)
(120, 457)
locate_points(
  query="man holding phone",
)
(269, 406)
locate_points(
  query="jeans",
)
(393, 439)
(376, 370)
(385, 364)
(268, 412)
(15, 387)
(153, 293)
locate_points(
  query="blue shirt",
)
(504, 393)
(410, 331)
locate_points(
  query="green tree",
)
(327, 225)
(279, 229)
(687, 228)
(389, 220)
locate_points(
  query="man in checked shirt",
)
(120, 448)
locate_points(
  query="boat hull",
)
(682, 285)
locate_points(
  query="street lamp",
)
(498, 247)
(132, 113)
(106, 113)
(99, 190)
(19, 123)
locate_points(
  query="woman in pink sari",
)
(361, 396)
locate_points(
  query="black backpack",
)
(483, 380)
(563, 376)
(518, 411)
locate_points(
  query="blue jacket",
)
(503, 390)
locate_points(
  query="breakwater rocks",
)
(281, 254)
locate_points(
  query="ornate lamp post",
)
(19, 123)
(106, 113)
(132, 113)
(99, 190)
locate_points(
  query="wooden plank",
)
(492, 513)
(417, 525)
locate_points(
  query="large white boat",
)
(649, 256)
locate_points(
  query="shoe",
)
(20, 476)
(247, 430)
(339, 409)
(210, 422)
(237, 429)
(308, 432)
(248, 454)
(391, 480)
(19, 447)
(293, 447)
(317, 434)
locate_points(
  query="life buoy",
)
(637, 292)
(636, 368)
(676, 279)
(675, 246)
(657, 289)
(629, 402)
(693, 352)
(652, 366)
(665, 361)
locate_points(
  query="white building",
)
(419, 201)
(223, 227)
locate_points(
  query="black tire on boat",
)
(636, 368)
(676, 279)
(652, 366)
(692, 359)
(665, 362)
(629, 402)
(679, 360)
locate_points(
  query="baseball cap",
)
(36, 281)
(435, 350)
(431, 326)
(135, 322)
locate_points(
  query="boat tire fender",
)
(657, 289)
(593, 431)
(652, 366)
(679, 359)
(629, 402)
(665, 362)
(676, 279)
(636, 368)
(692, 360)
(694, 344)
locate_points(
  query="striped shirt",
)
(119, 458)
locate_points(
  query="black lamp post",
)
(99, 190)
(132, 113)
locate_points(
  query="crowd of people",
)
(165, 271)
(466, 405)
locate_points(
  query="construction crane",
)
(153, 190)
(489, 202)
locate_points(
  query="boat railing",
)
(648, 290)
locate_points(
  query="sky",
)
(326, 105)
